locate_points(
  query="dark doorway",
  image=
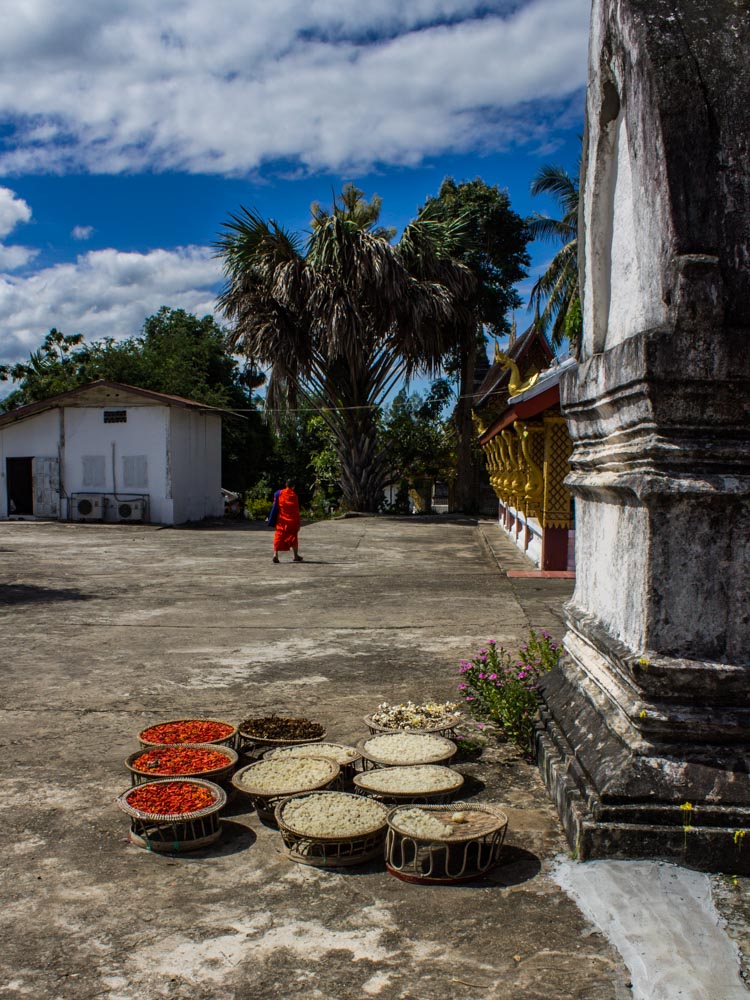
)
(20, 486)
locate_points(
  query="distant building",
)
(112, 452)
(526, 445)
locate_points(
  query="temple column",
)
(644, 738)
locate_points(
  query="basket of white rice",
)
(442, 844)
(405, 749)
(345, 756)
(418, 783)
(332, 829)
(268, 781)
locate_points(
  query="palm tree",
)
(557, 289)
(342, 317)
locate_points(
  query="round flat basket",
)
(446, 727)
(219, 773)
(254, 742)
(402, 749)
(359, 838)
(345, 756)
(227, 736)
(175, 832)
(265, 790)
(421, 783)
(460, 852)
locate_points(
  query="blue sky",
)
(129, 131)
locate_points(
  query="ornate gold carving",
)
(516, 386)
(534, 485)
(515, 479)
(479, 425)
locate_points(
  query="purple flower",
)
(483, 658)
(462, 687)
(522, 675)
(492, 642)
(470, 697)
(492, 677)
(483, 677)
(480, 725)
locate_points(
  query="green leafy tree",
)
(342, 317)
(176, 353)
(556, 295)
(494, 250)
(418, 441)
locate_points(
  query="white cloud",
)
(229, 86)
(103, 293)
(81, 232)
(12, 211)
(14, 257)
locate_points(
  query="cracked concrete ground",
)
(106, 629)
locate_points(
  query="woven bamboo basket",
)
(373, 756)
(374, 783)
(230, 740)
(335, 851)
(468, 853)
(345, 756)
(252, 744)
(265, 800)
(177, 832)
(446, 728)
(220, 775)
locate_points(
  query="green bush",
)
(500, 687)
(258, 510)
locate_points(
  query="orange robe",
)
(287, 524)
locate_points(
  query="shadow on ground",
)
(31, 594)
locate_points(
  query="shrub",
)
(501, 687)
(258, 510)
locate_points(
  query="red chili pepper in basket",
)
(187, 731)
(180, 760)
(170, 798)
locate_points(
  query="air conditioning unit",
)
(131, 510)
(87, 507)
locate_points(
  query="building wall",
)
(171, 454)
(36, 437)
(195, 465)
(122, 460)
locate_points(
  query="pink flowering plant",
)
(500, 687)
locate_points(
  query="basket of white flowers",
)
(332, 829)
(440, 718)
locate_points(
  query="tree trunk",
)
(467, 499)
(363, 471)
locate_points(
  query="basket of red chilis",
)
(180, 799)
(214, 762)
(189, 731)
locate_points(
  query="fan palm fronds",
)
(342, 317)
(556, 292)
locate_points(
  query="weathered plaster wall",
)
(195, 473)
(652, 708)
(35, 437)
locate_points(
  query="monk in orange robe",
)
(285, 516)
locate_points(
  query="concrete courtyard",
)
(106, 629)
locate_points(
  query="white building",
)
(111, 452)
